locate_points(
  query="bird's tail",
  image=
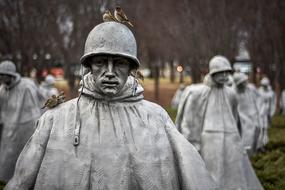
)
(129, 23)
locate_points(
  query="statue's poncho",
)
(267, 110)
(125, 143)
(249, 116)
(206, 117)
(19, 112)
(177, 96)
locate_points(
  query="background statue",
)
(267, 110)
(207, 117)
(47, 87)
(248, 111)
(19, 111)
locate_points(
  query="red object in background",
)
(258, 70)
(57, 72)
(44, 73)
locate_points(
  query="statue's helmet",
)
(111, 38)
(49, 80)
(265, 81)
(219, 64)
(240, 78)
(8, 68)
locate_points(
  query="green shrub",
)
(2, 185)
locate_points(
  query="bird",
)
(137, 75)
(51, 102)
(121, 16)
(61, 97)
(107, 16)
(54, 101)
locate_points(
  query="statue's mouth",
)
(109, 83)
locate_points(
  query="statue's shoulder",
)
(154, 108)
(64, 107)
(26, 83)
(196, 89)
(151, 106)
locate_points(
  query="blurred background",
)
(176, 39)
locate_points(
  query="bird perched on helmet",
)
(107, 16)
(121, 16)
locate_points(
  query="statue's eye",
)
(99, 62)
(121, 62)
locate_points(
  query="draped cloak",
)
(19, 112)
(249, 116)
(267, 110)
(207, 118)
(125, 143)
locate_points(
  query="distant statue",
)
(248, 111)
(19, 111)
(207, 117)
(109, 137)
(267, 110)
(47, 87)
(282, 102)
(230, 82)
(177, 96)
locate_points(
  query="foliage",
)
(2, 184)
(270, 165)
(172, 113)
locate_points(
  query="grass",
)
(269, 165)
(2, 185)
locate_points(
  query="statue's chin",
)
(110, 92)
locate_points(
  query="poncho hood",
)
(127, 94)
(17, 79)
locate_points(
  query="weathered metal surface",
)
(207, 118)
(111, 38)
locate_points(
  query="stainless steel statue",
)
(267, 110)
(177, 96)
(109, 137)
(47, 87)
(248, 111)
(207, 117)
(19, 111)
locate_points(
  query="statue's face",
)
(5, 79)
(264, 86)
(221, 77)
(242, 85)
(110, 73)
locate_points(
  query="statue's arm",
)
(30, 159)
(189, 124)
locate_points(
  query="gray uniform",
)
(249, 116)
(19, 112)
(206, 117)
